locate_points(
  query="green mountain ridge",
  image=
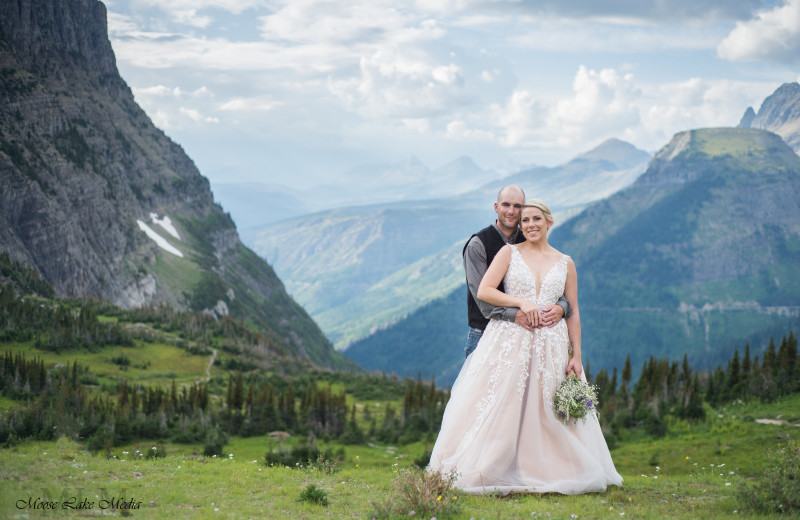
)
(698, 256)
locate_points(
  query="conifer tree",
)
(627, 372)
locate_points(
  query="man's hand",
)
(523, 320)
(552, 315)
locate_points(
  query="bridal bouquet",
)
(575, 399)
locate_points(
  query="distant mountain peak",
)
(779, 113)
(747, 118)
(615, 151)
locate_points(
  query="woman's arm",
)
(574, 321)
(488, 291)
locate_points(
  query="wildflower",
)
(727, 483)
(573, 516)
(438, 498)
(687, 457)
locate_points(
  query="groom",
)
(479, 252)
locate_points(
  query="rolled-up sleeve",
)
(475, 267)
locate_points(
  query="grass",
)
(152, 363)
(694, 472)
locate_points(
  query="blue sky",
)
(295, 92)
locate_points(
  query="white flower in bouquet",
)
(575, 399)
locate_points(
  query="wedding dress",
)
(499, 431)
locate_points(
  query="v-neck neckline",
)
(533, 275)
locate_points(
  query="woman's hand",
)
(533, 313)
(575, 365)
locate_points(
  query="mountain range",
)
(698, 256)
(369, 266)
(256, 205)
(102, 203)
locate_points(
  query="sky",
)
(296, 92)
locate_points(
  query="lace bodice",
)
(520, 280)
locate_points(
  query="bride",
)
(499, 432)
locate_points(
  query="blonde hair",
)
(539, 203)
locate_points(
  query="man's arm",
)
(475, 267)
(564, 303)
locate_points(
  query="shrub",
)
(323, 463)
(778, 488)
(419, 493)
(423, 460)
(314, 495)
(215, 441)
(155, 452)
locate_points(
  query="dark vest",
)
(493, 243)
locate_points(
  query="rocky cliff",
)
(779, 113)
(101, 201)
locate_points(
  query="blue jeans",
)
(473, 337)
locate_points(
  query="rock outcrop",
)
(779, 113)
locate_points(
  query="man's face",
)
(508, 208)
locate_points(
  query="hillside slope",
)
(101, 202)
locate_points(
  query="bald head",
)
(510, 191)
(508, 206)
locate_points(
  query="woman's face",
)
(534, 224)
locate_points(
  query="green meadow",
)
(696, 471)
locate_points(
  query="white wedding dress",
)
(499, 431)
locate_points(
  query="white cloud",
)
(602, 103)
(419, 125)
(487, 76)
(560, 34)
(448, 74)
(196, 116)
(342, 22)
(659, 12)
(356, 77)
(400, 83)
(161, 119)
(458, 130)
(606, 104)
(773, 35)
(177, 92)
(190, 17)
(695, 103)
(180, 6)
(250, 104)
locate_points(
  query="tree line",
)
(669, 388)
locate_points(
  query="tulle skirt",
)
(499, 432)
